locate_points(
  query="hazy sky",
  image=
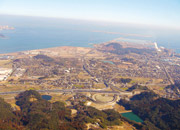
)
(151, 12)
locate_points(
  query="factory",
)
(156, 47)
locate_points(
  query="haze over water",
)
(36, 33)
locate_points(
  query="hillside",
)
(39, 114)
(163, 113)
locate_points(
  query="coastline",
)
(90, 46)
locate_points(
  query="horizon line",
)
(99, 21)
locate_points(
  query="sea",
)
(40, 32)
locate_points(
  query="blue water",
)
(36, 33)
(36, 38)
(46, 97)
(132, 116)
(110, 62)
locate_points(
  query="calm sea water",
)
(36, 33)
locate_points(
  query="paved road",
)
(167, 74)
(69, 91)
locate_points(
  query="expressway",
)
(70, 91)
(167, 74)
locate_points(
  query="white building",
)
(5, 73)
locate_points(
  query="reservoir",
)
(46, 97)
(132, 116)
(110, 62)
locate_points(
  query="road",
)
(69, 91)
(167, 74)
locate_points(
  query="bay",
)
(37, 33)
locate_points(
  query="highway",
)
(68, 91)
(167, 74)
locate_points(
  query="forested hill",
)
(118, 49)
(163, 113)
(38, 114)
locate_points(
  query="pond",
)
(46, 97)
(132, 116)
(110, 62)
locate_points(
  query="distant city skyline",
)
(163, 13)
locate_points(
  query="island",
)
(2, 36)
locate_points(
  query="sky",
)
(148, 12)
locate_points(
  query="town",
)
(116, 68)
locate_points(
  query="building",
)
(156, 46)
(5, 73)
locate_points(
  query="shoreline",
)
(91, 46)
(42, 49)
